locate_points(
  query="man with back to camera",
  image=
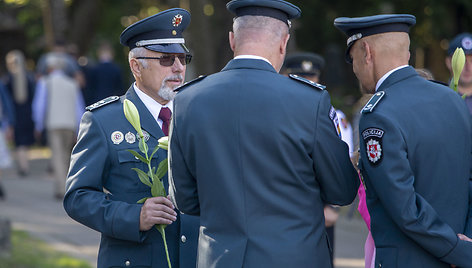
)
(256, 154)
(102, 188)
(415, 143)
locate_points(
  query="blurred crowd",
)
(43, 107)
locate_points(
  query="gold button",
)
(174, 32)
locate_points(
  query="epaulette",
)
(101, 103)
(306, 81)
(189, 82)
(370, 105)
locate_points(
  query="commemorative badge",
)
(373, 140)
(177, 20)
(145, 134)
(117, 137)
(130, 138)
(334, 118)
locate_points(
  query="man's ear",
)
(135, 67)
(231, 40)
(283, 45)
(368, 52)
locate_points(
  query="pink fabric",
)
(369, 252)
(363, 205)
(369, 247)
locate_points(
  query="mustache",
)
(174, 77)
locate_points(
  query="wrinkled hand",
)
(465, 238)
(156, 210)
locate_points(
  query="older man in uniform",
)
(415, 150)
(260, 151)
(102, 188)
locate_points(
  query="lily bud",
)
(164, 143)
(132, 115)
(458, 62)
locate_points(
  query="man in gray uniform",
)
(415, 142)
(256, 154)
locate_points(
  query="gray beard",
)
(165, 92)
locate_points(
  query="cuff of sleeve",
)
(460, 255)
(126, 223)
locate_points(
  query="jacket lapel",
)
(148, 122)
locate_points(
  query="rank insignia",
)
(116, 137)
(177, 20)
(130, 138)
(145, 134)
(373, 140)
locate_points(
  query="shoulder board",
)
(370, 105)
(190, 82)
(101, 103)
(306, 81)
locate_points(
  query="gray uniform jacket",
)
(256, 155)
(416, 146)
(100, 160)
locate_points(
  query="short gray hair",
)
(138, 52)
(258, 28)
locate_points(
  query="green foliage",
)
(29, 252)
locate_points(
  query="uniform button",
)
(183, 239)
(127, 263)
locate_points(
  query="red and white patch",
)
(177, 20)
(374, 151)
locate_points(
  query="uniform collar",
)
(397, 76)
(249, 63)
(385, 76)
(254, 57)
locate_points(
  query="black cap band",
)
(263, 11)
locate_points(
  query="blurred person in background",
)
(464, 41)
(7, 120)
(105, 77)
(58, 106)
(21, 85)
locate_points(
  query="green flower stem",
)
(161, 229)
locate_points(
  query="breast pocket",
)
(386, 257)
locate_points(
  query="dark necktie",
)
(165, 114)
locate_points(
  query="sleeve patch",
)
(334, 118)
(373, 141)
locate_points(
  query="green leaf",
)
(143, 177)
(140, 201)
(155, 188)
(140, 157)
(143, 146)
(162, 168)
(154, 151)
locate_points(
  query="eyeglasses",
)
(168, 60)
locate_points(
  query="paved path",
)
(30, 206)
